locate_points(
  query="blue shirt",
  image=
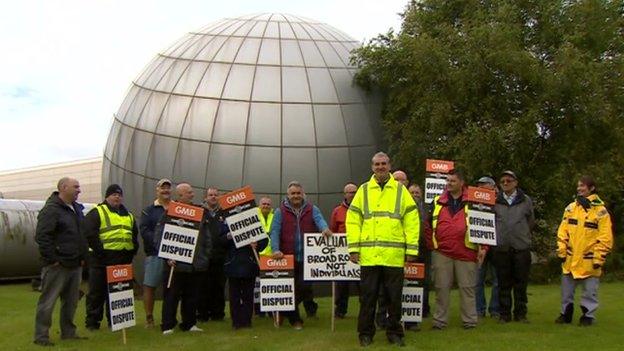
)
(276, 228)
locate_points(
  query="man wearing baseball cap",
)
(512, 255)
(111, 231)
(153, 264)
(487, 265)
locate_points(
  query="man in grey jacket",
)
(512, 255)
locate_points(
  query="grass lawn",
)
(17, 308)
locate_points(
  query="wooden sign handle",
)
(170, 277)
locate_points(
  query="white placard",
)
(178, 243)
(327, 258)
(482, 227)
(411, 304)
(277, 294)
(246, 227)
(433, 188)
(122, 309)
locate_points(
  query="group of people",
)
(387, 224)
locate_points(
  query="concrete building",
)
(37, 183)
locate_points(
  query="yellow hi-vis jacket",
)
(115, 230)
(266, 223)
(383, 225)
(584, 238)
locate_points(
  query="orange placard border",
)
(249, 196)
(288, 266)
(471, 195)
(198, 212)
(110, 278)
(430, 162)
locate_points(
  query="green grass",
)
(17, 308)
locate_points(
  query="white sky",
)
(66, 64)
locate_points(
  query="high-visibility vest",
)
(383, 224)
(434, 223)
(115, 229)
(266, 223)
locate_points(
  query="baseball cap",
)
(163, 181)
(509, 173)
(486, 180)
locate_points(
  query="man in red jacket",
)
(453, 256)
(337, 225)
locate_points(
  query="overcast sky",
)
(66, 64)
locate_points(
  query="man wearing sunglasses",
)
(512, 255)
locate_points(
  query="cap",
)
(113, 189)
(486, 180)
(163, 181)
(509, 173)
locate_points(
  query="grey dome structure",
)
(257, 100)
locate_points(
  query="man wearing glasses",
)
(512, 255)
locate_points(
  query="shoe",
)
(365, 340)
(396, 340)
(562, 319)
(495, 315)
(195, 329)
(93, 328)
(437, 327)
(521, 319)
(586, 321)
(149, 321)
(340, 315)
(45, 343)
(415, 327)
(298, 326)
(74, 337)
(469, 326)
(504, 320)
(168, 332)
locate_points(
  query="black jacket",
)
(241, 262)
(147, 227)
(58, 233)
(99, 257)
(216, 227)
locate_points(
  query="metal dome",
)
(261, 100)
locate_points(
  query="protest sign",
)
(120, 296)
(327, 258)
(277, 284)
(242, 216)
(412, 297)
(180, 233)
(435, 178)
(481, 217)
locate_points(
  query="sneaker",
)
(437, 327)
(365, 340)
(396, 340)
(168, 332)
(469, 326)
(195, 329)
(298, 326)
(45, 343)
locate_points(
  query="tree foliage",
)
(535, 86)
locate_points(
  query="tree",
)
(535, 86)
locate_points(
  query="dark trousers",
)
(372, 279)
(342, 296)
(302, 290)
(184, 289)
(512, 270)
(97, 298)
(241, 301)
(211, 304)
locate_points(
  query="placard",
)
(411, 304)
(481, 217)
(435, 178)
(277, 284)
(120, 296)
(327, 258)
(178, 243)
(257, 290)
(242, 216)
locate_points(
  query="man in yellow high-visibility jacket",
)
(111, 232)
(265, 211)
(382, 232)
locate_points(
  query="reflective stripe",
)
(366, 212)
(116, 240)
(411, 247)
(106, 216)
(115, 227)
(591, 225)
(355, 209)
(397, 205)
(434, 223)
(115, 230)
(378, 243)
(410, 209)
